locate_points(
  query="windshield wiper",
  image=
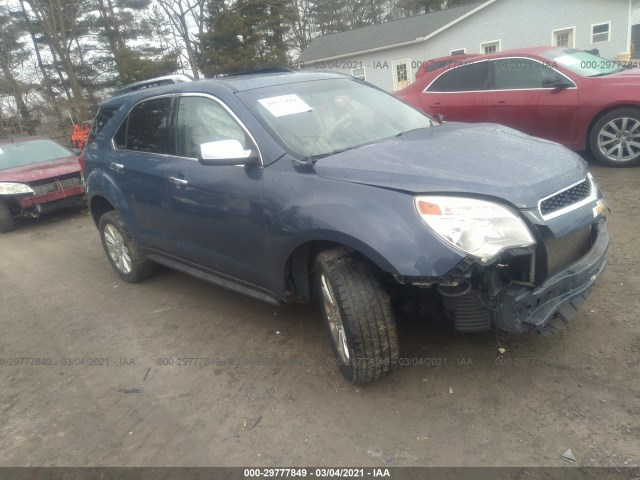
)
(411, 131)
(314, 158)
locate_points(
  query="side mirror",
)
(226, 152)
(558, 83)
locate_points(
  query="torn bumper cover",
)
(552, 305)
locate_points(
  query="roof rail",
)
(153, 82)
(257, 71)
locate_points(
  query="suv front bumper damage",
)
(551, 306)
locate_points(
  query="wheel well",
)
(99, 206)
(601, 114)
(300, 266)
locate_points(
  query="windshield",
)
(29, 152)
(583, 63)
(320, 117)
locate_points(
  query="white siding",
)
(515, 23)
(635, 13)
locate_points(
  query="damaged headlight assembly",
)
(479, 228)
(10, 188)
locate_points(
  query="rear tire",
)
(358, 315)
(6, 219)
(121, 250)
(615, 138)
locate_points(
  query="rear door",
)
(459, 93)
(518, 98)
(138, 163)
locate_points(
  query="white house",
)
(389, 54)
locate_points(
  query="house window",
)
(490, 47)
(358, 73)
(460, 51)
(564, 38)
(600, 33)
(401, 74)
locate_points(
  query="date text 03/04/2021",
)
(317, 472)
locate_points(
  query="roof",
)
(219, 84)
(385, 35)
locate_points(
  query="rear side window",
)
(146, 129)
(102, 118)
(465, 78)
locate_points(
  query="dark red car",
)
(37, 175)
(564, 95)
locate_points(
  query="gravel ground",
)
(271, 396)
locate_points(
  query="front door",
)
(215, 212)
(518, 98)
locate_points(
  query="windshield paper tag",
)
(285, 105)
(1, 152)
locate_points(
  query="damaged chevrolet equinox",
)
(290, 187)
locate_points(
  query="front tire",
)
(6, 219)
(121, 250)
(358, 315)
(615, 138)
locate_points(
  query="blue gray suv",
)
(290, 187)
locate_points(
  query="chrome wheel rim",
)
(619, 140)
(334, 319)
(117, 249)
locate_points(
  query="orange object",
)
(80, 134)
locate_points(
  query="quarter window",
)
(465, 78)
(102, 117)
(519, 74)
(600, 33)
(202, 120)
(146, 129)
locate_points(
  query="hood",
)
(41, 171)
(482, 159)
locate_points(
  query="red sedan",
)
(37, 175)
(564, 95)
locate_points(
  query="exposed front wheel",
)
(615, 138)
(121, 250)
(358, 315)
(6, 219)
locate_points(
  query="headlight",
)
(7, 188)
(477, 227)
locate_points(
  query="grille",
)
(566, 198)
(563, 251)
(56, 184)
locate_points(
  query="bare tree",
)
(187, 17)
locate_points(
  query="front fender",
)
(379, 223)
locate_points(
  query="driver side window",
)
(201, 120)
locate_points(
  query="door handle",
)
(181, 182)
(436, 105)
(118, 167)
(501, 104)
